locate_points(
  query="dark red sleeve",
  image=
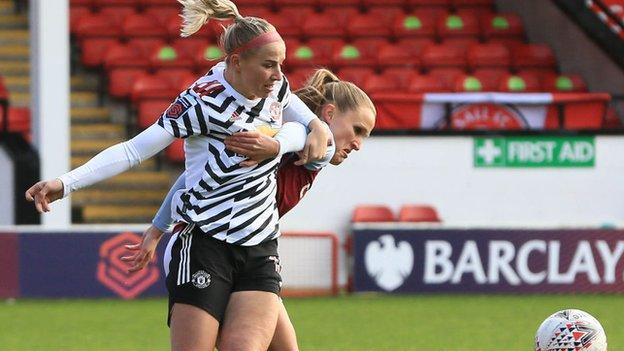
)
(292, 183)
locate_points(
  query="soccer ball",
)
(570, 330)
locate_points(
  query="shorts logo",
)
(112, 272)
(201, 279)
(276, 260)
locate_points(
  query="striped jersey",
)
(223, 199)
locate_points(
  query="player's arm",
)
(108, 163)
(146, 249)
(315, 146)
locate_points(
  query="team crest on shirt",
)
(201, 279)
(174, 110)
(275, 112)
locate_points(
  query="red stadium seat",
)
(372, 213)
(297, 13)
(169, 3)
(93, 25)
(118, 13)
(152, 86)
(298, 77)
(355, 75)
(75, 14)
(490, 77)
(381, 84)
(415, 24)
(316, 52)
(418, 213)
(501, 25)
(125, 55)
(19, 120)
(287, 26)
(519, 83)
(568, 83)
(387, 14)
(323, 25)
(74, 3)
(447, 75)
(124, 63)
(207, 56)
(458, 26)
(167, 56)
(427, 84)
(162, 14)
(488, 55)
(367, 25)
(384, 3)
(404, 53)
(401, 75)
(533, 56)
(458, 4)
(443, 55)
(469, 83)
(143, 25)
(441, 3)
(359, 53)
(175, 151)
(133, 3)
(292, 3)
(341, 3)
(92, 50)
(149, 110)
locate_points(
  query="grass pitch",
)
(364, 322)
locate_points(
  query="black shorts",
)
(203, 271)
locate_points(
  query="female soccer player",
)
(225, 248)
(351, 117)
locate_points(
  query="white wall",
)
(439, 171)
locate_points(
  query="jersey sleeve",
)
(185, 118)
(292, 183)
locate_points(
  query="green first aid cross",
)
(534, 152)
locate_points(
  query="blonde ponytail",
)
(196, 13)
(313, 92)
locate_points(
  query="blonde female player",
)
(224, 278)
(350, 115)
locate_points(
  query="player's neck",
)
(235, 82)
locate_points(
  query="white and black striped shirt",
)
(225, 200)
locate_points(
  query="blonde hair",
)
(324, 87)
(196, 13)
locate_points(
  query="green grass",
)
(368, 322)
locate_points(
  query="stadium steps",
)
(19, 37)
(92, 146)
(6, 7)
(85, 115)
(146, 180)
(88, 197)
(99, 130)
(78, 99)
(118, 213)
(13, 21)
(13, 68)
(14, 52)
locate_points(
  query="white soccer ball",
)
(570, 330)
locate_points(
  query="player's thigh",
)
(249, 322)
(192, 328)
(284, 338)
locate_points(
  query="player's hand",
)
(254, 145)
(144, 250)
(45, 192)
(316, 143)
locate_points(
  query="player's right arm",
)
(108, 163)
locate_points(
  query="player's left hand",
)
(316, 143)
(254, 145)
(145, 249)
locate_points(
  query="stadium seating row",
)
(305, 23)
(278, 3)
(382, 213)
